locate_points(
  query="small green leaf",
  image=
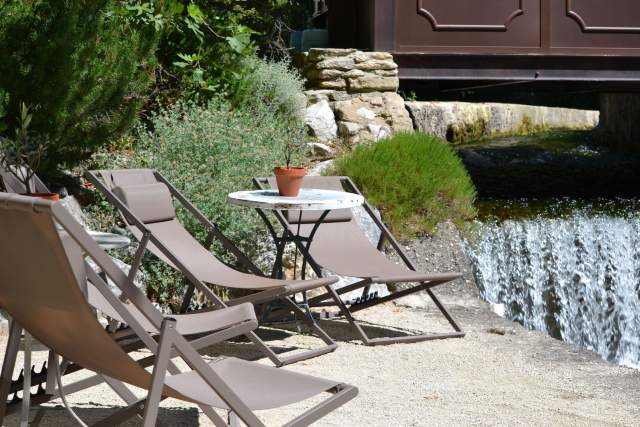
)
(195, 12)
(174, 7)
(198, 75)
(239, 42)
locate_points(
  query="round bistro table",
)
(307, 200)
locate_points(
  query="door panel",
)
(595, 24)
(571, 27)
(477, 25)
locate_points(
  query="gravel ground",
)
(499, 374)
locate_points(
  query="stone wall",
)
(352, 98)
(458, 121)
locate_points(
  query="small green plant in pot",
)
(21, 155)
(289, 178)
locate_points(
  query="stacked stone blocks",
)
(359, 91)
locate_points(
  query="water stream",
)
(575, 277)
(568, 266)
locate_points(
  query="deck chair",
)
(13, 186)
(340, 246)
(145, 200)
(38, 378)
(122, 334)
(49, 302)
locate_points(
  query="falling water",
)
(576, 278)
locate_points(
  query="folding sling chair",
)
(38, 378)
(145, 201)
(45, 375)
(340, 246)
(49, 302)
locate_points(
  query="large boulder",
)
(321, 122)
(396, 113)
(372, 116)
(354, 111)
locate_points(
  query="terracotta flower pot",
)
(54, 197)
(289, 180)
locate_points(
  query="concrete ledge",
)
(461, 121)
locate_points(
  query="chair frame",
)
(364, 284)
(46, 376)
(214, 233)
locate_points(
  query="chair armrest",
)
(307, 285)
(214, 320)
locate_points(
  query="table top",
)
(110, 240)
(308, 200)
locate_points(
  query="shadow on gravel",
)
(58, 416)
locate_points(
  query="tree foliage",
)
(83, 72)
(205, 43)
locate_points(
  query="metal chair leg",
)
(159, 372)
(234, 421)
(10, 355)
(395, 340)
(26, 387)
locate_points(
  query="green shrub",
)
(415, 179)
(83, 72)
(210, 151)
(204, 42)
(272, 85)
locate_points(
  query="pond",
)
(554, 255)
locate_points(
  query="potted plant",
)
(22, 154)
(289, 178)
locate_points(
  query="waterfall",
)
(576, 278)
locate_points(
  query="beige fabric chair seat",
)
(210, 269)
(261, 387)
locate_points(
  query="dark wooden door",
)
(568, 27)
(433, 25)
(599, 25)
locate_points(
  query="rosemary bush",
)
(211, 150)
(417, 181)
